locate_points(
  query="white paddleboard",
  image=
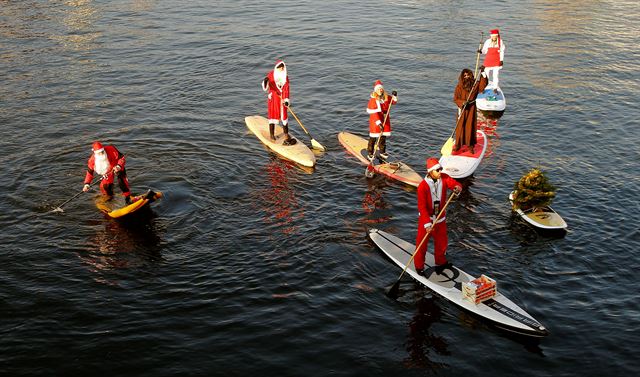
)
(298, 152)
(501, 311)
(400, 171)
(542, 217)
(463, 163)
(491, 102)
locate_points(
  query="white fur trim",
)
(434, 167)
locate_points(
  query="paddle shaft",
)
(426, 236)
(475, 71)
(300, 123)
(464, 106)
(314, 142)
(76, 195)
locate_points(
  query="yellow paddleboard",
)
(138, 202)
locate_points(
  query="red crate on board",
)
(480, 289)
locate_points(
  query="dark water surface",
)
(252, 266)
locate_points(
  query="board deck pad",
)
(299, 152)
(463, 163)
(499, 310)
(397, 170)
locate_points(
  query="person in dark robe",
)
(464, 97)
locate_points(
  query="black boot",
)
(383, 156)
(288, 139)
(370, 146)
(272, 129)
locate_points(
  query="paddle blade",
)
(393, 292)
(447, 148)
(369, 172)
(317, 145)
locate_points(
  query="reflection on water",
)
(421, 343)
(123, 244)
(278, 200)
(376, 208)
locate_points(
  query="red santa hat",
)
(377, 84)
(433, 164)
(97, 147)
(495, 32)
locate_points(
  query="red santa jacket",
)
(432, 196)
(115, 158)
(275, 91)
(377, 109)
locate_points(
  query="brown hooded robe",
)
(466, 129)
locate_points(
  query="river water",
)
(252, 266)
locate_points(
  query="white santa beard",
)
(101, 165)
(280, 77)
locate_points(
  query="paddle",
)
(59, 208)
(475, 71)
(314, 143)
(369, 171)
(393, 292)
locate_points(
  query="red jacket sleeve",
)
(285, 90)
(89, 176)
(450, 183)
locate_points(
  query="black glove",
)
(286, 103)
(481, 68)
(500, 63)
(394, 93)
(265, 82)
(479, 51)
(465, 104)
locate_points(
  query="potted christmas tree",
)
(533, 191)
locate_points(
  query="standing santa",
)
(493, 49)
(432, 196)
(276, 84)
(108, 162)
(379, 120)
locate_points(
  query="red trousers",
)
(440, 241)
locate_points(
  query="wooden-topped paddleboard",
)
(501, 311)
(463, 163)
(298, 152)
(491, 103)
(541, 217)
(137, 202)
(399, 171)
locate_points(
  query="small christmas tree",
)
(533, 190)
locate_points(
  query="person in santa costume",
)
(276, 84)
(493, 50)
(464, 96)
(432, 195)
(378, 108)
(108, 162)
